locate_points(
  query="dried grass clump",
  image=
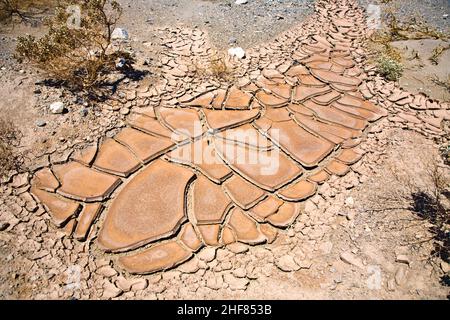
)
(218, 67)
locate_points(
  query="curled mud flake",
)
(162, 256)
(245, 228)
(116, 159)
(285, 215)
(189, 237)
(320, 177)
(237, 99)
(86, 155)
(270, 100)
(302, 93)
(265, 208)
(60, 209)
(85, 184)
(298, 191)
(226, 119)
(85, 220)
(183, 121)
(144, 146)
(149, 125)
(303, 146)
(337, 168)
(210, 234)
(45, 180)
(268, 170)
(202, 156)
(349, 156)
(227, 236)
(210, 203)
(243, 193)
(151, 206)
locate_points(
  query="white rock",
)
(237, 52)
(57, 107)
(241, 1)
(349, 202)
(119, 34)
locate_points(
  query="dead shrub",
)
(79, 56)
(24, 10)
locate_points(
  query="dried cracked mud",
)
(203, 173)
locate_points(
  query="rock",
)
(287, 263)
(349, 202)
(207, 254)
(84, 112)
(391, 285)
(237, 52)
(20, 180)
(110, 290)
(57, 107)
(236, 283)
(241, 1)
(40, 123)
(232, 40)
(445, 266)
(403, 259)
(124, 111)
(4, 226)
(350, 258)
(119, 34)
(400, 275)
(120, 63)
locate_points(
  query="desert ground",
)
(97, 203)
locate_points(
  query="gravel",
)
(249, 24)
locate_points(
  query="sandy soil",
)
(420, 71)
